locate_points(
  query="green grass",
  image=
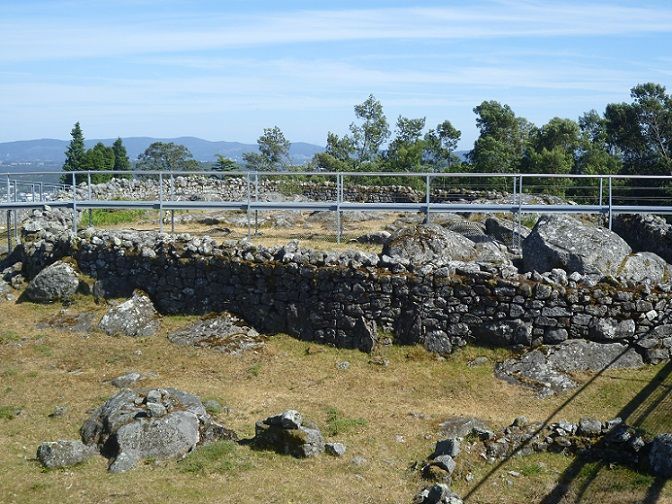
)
(534, 469)
(104, 217)
(337, 423)
(216, 458)
(9, 412)
(255, 369)
(9, 337)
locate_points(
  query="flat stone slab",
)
(547, 370)
(225, 333)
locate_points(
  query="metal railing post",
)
(88, 196)
(160, 202)
(172, 198)
(428, 182)
(74, 203)
(256, 200)
(9, 231)
(600, 193)
(42, 192)
(249, 199)
(339, 197)
(9, 190)
(610, 203)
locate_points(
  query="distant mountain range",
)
(50, 152)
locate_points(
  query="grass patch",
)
(105, 217)
(9, 412)
(216, 458)
(338, 423)
(534, 469)
(44, 349)
(9, 337)
(254, 370)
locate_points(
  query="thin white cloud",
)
(34, 38)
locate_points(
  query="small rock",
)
(359, 461)
(290, 419)
(125, 381)
(343, 365)
(64, 453)
(59, 411)
(447, 447)
(478, 361)
(335, 449)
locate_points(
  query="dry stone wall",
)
(335, 298)
(231, 188)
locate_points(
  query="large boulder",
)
(136, 317)
(150, 423)
(57, 282)
(644, 266)
(546, 370)
(505, 231)
(64, 453)
(650, 233)
(429, 243)
(288, 433)
(559, 241)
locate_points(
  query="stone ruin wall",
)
(235, 189)
(333, 299)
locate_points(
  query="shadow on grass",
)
(643, 411)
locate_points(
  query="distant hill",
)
(52, 152)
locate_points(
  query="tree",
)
(372, 133)
(596, 156)
(553, 148)
(100, 158)
(161, 156)
(121, 160)
(273, 151)
(642, 130)
(502, 141)
(75, 155)
(224, 164)
(440, 145)
(405, 152)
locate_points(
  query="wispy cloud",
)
(36, 38)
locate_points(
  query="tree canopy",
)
(166, 156)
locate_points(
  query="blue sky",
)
(224, 70)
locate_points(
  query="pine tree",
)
(75, 156)
(121, 161)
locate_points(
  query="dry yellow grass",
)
(40, 369)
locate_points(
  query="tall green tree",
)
(553, 148)
(502, 141)
(121, 160)
(440, 145)
(642, 130)
(224, 164)
(100, 158)
(162, 156)
(273, 151)
(75, 155)
(369, 136)
(405, 152)
(596, 156)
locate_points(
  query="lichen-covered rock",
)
(428, 243)
(64, 453)
(546, 370)
(136, 317)
(645, 266)
(505, 231)
(150, 423)
(559, 241)
(289, 434)
(57, 282)
(225, 333)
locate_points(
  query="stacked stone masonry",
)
(334, 298)
(235, 188)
